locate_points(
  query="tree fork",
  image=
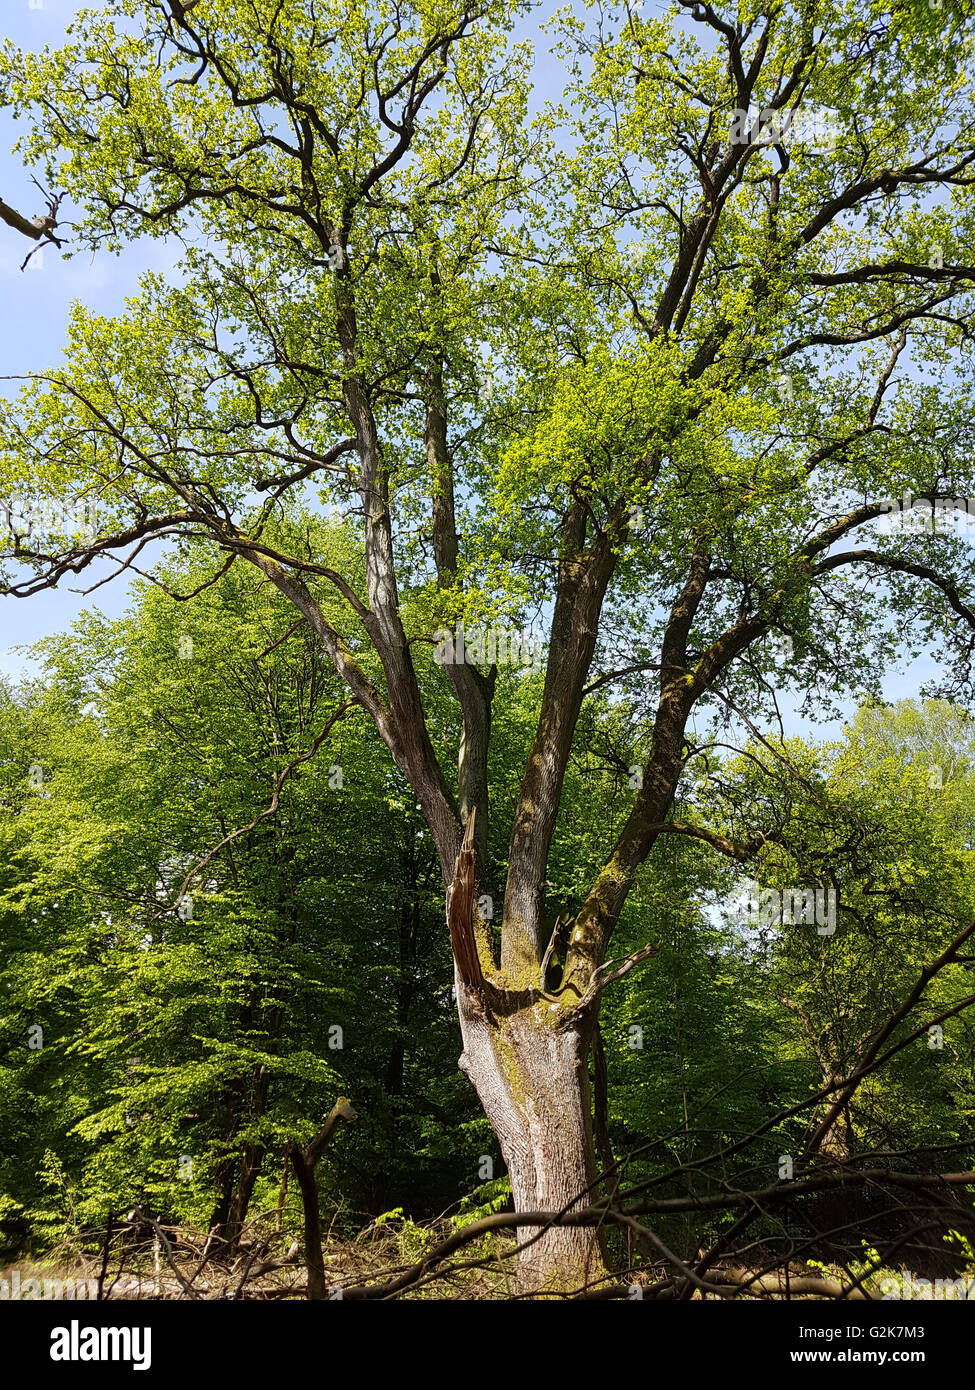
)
(305, 1161)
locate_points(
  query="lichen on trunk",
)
(531, 1074)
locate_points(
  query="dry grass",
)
(179, 1263)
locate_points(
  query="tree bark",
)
(304, 1162)
(533, 1081)
(526, 1054)
(250, 1167)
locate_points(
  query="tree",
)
(159, 1047)
(853, 822)
(401, 295)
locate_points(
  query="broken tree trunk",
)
(305, 1161)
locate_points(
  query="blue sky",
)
(38, 302)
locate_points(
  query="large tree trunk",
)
(837, 1140)
(533, 1082)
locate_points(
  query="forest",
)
(498, 823)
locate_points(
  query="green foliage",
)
(619, 347)
(209, 968)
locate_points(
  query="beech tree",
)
(888, 841)
(659, 371)
(181, 1050)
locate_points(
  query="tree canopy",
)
(566, 436)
